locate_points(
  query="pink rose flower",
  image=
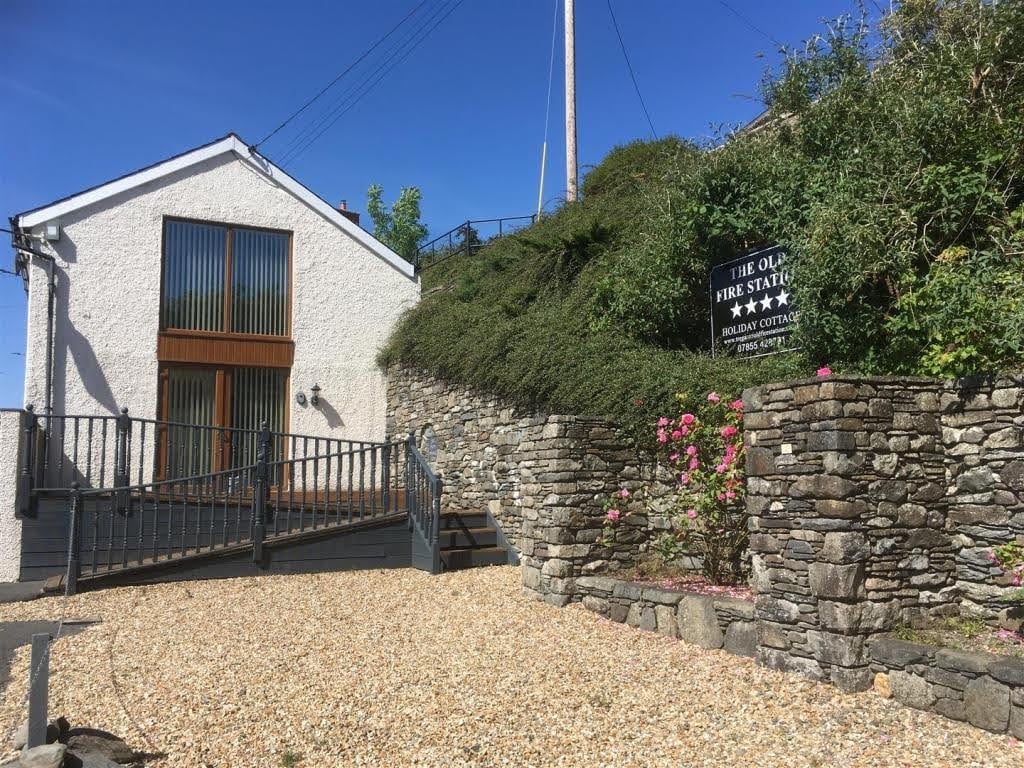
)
(684, 478)
(730, 495)
(736, 405)
(663, 422)
(824, 371)
(722, 468)
(691, 450)
(674, 456)
(662, 437)
(687, 418)
(613, 515)
(694, 464)
(684, 430)
(624, 493)
(676, 434)
(714, 397)
(691, 513)
(728, 431)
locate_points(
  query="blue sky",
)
(92, 90)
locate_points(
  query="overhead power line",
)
(629, 66)
(347, 102)
(344, 72)
(750, 24)
(381, 62)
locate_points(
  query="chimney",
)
(350, 215)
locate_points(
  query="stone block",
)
(698, 623)
(845, 510)
(595, 604)
(844, 547)
(897, 654)
(954, 709)
(844, 582)
(1017, 722)
(851, 680)
(787, 662)
(911, 690)
(823, 487)
(831, 440)
(972, 662)
(976, 480)
(760, 462)
(843, 650)
(741, 638)
(1008, 670)
(665, 617)
(987, 704)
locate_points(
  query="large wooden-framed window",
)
(224, 345)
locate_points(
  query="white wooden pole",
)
(571, 192)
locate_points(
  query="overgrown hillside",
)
(892, 175)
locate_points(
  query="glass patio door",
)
(215, 414)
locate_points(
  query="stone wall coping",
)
(630, 590)
(969, 382)
(893, 653)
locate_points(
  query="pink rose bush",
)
(710, 519)
(616, 508)
(1010, 557)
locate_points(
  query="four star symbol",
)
(765, 302)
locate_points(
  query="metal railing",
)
(165, 520)
(117, 451)
(468, 238)
(423, 497)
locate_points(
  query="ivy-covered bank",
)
(890, 169)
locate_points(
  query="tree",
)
(399, 228)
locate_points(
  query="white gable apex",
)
(233, 144)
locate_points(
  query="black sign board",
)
(752, 311)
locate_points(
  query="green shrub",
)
(892, 173)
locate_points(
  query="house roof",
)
(230, 143)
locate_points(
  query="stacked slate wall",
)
(543, 477)
(870, 510)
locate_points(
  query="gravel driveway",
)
(399, 668)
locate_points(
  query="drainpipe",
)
(18, 240)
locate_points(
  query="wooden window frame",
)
(228, 270)
(227, 348)
(222, 409)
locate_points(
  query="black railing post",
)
(26, 476)
(385, 477)
(74, 540)
(124, 428)
(435, 510)
(261, 488)
(410, 485)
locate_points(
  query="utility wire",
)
(547, 112)
(374, 83)
(317, 122)
(348, 69)
(750, 24)
(629, 66)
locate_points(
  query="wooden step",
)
(467, 538)
(456, 559)
(463, 520)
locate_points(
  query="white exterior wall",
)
(345, 300)
(10, 525)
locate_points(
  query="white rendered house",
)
(211, 295)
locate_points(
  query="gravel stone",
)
(399, 668)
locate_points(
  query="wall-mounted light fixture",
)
(314, 400)
(51, 232)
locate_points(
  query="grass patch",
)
(963, 633)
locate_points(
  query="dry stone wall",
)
(869, 510)
(541, 476)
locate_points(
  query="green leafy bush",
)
(890, 168)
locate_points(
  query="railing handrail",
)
(166, 423)
(210, 476)
(469, 223)
(430, 535)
